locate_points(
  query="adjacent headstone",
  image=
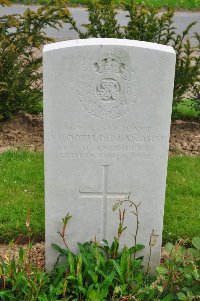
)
(107, 123)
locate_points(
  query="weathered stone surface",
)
(107, 120)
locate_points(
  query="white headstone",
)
(107, 123)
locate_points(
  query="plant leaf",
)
(136, 248)
(196, 242)
(169, 247)
(181, 296)
(59, 249)
(169, 297)
(162, 270)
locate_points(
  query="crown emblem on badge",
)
(108, 63)
(111, 64)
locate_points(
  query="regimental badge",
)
(107, 88)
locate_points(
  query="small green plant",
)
(99, 271)
(114, 274)
(20, 278)
(134, 210)
(180, 270)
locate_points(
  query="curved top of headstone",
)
(107, 42)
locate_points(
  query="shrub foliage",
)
(21, 38)
(149, 24)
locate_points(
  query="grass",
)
(184, 110)
(22, 188)
(176, 4)
(182, 207)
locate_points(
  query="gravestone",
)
(107, 122)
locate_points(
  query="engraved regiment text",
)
(131, 142)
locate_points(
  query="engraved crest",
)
(107, 88)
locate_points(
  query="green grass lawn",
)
(182, 207)
(177, 4)
(184, 110)
(21, 187)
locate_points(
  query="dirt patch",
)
(26, 132)
(36, 254)
(185, 138)
(22, 132)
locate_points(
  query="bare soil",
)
(36, 254)
(185, 138)
(22, 132)
(26, 132)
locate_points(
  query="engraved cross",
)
(104, 195)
